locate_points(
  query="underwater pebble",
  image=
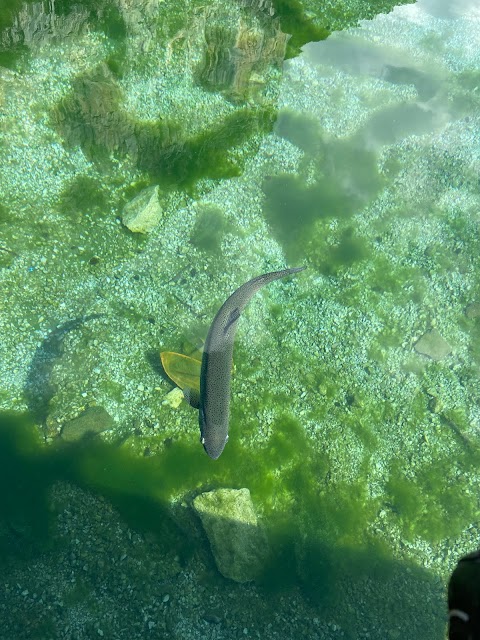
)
(174, 398)
(213, 616)
(473, 310)
(143, 213)
(432, 344)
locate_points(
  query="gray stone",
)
(93, 420)
(239, 544)
(143, 213)
(473, 310)
(215, 616)
(432, 344)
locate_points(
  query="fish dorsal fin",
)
(232, 318)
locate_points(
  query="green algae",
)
(5, 215)
(114, 471)
(298, 210)
(314, 20)
(209, 229)
(11, 58)
(386, 277)
(113, 390)
(24, 510)
(83, 195)
(7, 12)
(91, 117)
(206, 154)
(348, 251)
(302, 28)
(475, 343)
(335, 553)
(435, 503)
(287, 441)
(301, 130)
(319, 538)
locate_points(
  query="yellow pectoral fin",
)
(183, 370)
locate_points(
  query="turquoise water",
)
(343, 137)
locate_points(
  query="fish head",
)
(214, 445)
(213, 438)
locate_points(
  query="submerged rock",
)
(91, 117)
(240, 51)
(239, 544)
(174, 398)
(37, 24)
(432, 344)
(92, 421)
(143, 213)
(473, 310)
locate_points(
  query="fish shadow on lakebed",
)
(390, 593)
(39, 389)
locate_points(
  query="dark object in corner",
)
(464, 599)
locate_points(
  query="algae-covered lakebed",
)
(154, 158)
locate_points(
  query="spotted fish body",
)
(216, 368)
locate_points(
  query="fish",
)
(464, 599)
(214, 400)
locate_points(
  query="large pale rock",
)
(144, 212)
(239, 544)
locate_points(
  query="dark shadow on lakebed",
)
(364, 588)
